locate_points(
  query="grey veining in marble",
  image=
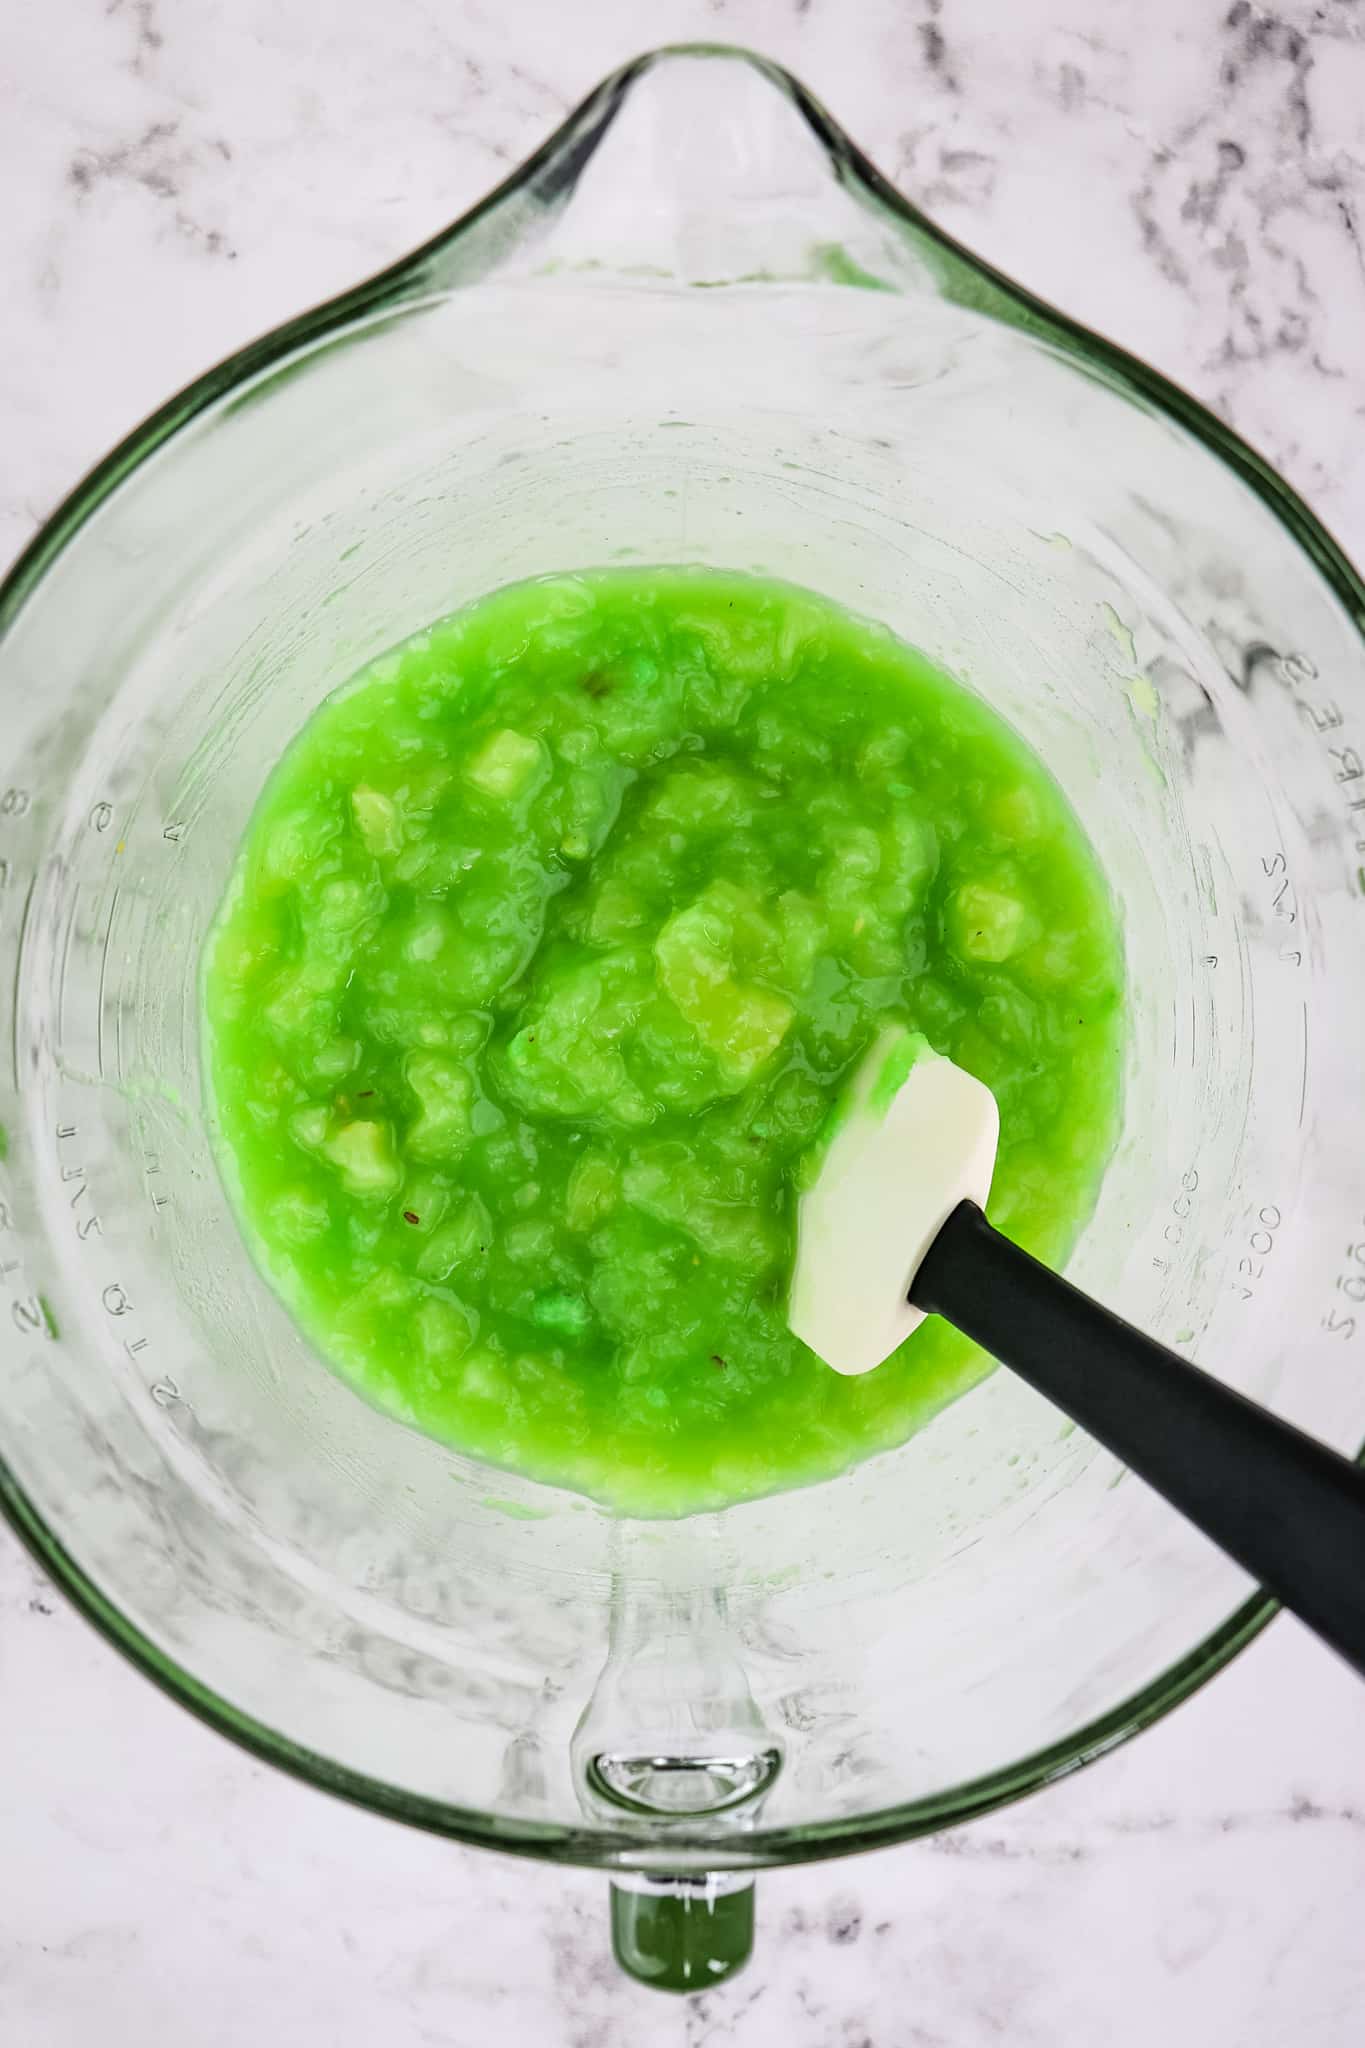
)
(1187, 176)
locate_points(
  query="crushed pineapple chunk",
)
(990, 921)
(365, 1154)
(507, 764)
(699, 952)
(445, 1095)
(376, 819)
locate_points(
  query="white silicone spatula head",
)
(915, 1136)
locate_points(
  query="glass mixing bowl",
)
(696, 327)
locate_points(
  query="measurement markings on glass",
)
(1261, 1243)
(72, 1173)
(1283, 904)
(116, 1303)
(1325, 718)
(1342, 1320)
(114, 1297)
(29, 1313)
(151, 1167)
(1181, 1209)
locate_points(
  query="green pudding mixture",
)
(548, 949)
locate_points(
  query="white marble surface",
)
(1189, 176)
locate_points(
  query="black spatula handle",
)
(1284, 1506)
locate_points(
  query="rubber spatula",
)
(892, 1229)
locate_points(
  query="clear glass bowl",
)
(696, 327)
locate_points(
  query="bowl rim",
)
(554, 166)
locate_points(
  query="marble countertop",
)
(1188, 176)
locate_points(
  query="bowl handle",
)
(683, 1933)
